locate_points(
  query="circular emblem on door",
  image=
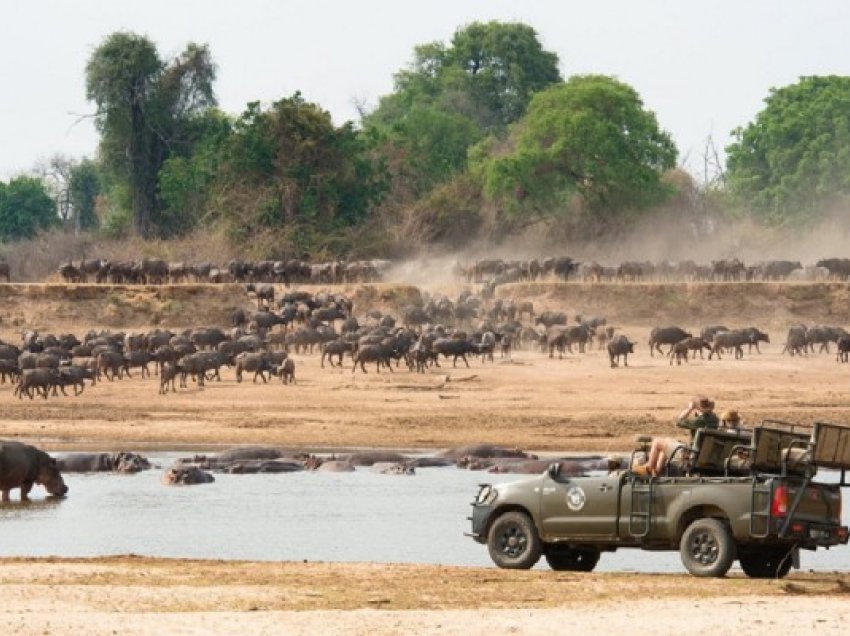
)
(575, 498)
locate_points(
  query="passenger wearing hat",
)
(730, 419)
(698, 415)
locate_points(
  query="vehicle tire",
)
(765, 562)
(707, 548)
(573, 559)
(513, 541)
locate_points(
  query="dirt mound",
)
(771, 304)
(72, 307)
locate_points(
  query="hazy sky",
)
(703, 67)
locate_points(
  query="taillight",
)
(779, 505)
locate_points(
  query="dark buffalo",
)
(455, 347)
(734, 340)
(336, 348)
(680, 350)
(379, 353)
(778, 270)
(837, 267)
(550, 318)
(22, 466)
(666, 335)
(843, 345)
(286, 371)
(38, 380)
(754, 336)
(620, 346)
(823, 335)
(795, 342)
(707, 333)
(256, 362)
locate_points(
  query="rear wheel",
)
(707, 548)
(513, 541)
(765, 562)
(573, 559)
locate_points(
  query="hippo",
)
(428, 462)
(186, 476)
(246, 467)
(336, 466)
(236, 454)
(22, 465)
(484, 451)
(120, 462)
(393, 468)
(368, 458)
(569, 466)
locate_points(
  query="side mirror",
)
(554, 470)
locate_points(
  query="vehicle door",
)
(581, 507)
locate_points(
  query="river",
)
(312, 516)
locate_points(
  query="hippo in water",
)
(393, 468)
(22, 465)
(336, 466)
(484, 451)
(369, 458)
(247, 467)
(236, 454)
(120, 462)
(186, 476)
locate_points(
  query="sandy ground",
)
(530, 401)
(133, 595)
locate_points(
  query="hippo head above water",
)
(186, 476)
(50, 477)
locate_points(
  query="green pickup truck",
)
(750, 495)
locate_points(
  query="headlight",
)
(486, 495)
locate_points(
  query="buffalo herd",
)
(490, 271)
(417, 336)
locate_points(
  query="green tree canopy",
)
(590, 137)
(143, 106)
(84, 188)
(290, 166)
(25, 208)
(488, 74)
(794, 159)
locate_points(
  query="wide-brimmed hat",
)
(703, 403)
(730, 416)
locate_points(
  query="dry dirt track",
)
(574, 404)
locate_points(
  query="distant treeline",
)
(482, 136)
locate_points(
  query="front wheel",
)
(765, 563)
(573, 559)
(707, 548)
(513, 541)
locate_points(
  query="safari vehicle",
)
(745, 495)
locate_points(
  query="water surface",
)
(314, 516)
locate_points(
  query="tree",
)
(25, 208)
(289, 166)
(84, 187)
(488, 74)
(143, 104)
(187, 178)
(434, 145)
(793, 160)
(590, 137)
